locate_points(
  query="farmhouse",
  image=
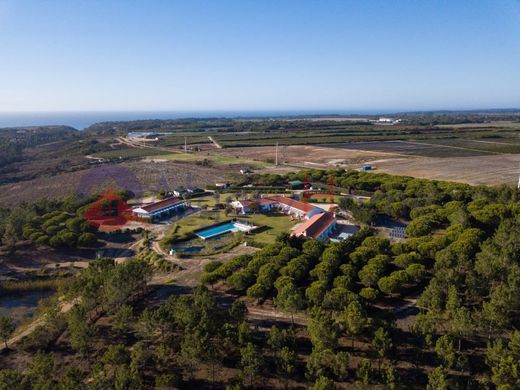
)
(160, 209)
(295, 207)
(283, 204)
(317, 223)
(318, 226)
(246, 206)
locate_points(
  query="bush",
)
(42, 240)
(405, 259)
(369, 293)
(87, 239)
(166, 381)
(416, 271)
(212, 266)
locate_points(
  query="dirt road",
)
(217, 145)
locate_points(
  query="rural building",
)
(296, 184)
(221, 186)
(247, 206)
(294, 207)
(318, 226)
(179, 192)
(160, 209)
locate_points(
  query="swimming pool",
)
(224, 228)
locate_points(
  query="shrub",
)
(87, 239)
(369, 293)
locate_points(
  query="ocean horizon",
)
(83, 119)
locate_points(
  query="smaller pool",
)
(227, 227)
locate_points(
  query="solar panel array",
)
(398, 232)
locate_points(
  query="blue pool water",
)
(218, 230)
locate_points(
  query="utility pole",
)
(185, 145)
(276, 155)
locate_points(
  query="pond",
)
(21, 305)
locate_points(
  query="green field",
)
(127, 153)
(272, 225)
(216, 159)
(275, 224)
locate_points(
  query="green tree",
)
(391, 378)
(289, 298)
(321, 362)
(124, 318)
(139, 357)
(41, 371)
(286, 364)
(86, 239)
(245, 335)
(341, 366)
(9, 238)
(354, 320)
(445, 351)
(323, 383)
(12, 380)
(72, 379)
(368, 293)
(322, 330)
(7, 327)
(364, 372)
(238, 311)
(251, 362)
(416, 271)
(381, 344)
(80, 330)
(437, 379)
(461, 324)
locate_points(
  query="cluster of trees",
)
(14, 140)
(46, 222)
(461, 255)
(104, 287)
(9, 152)
(60, 229)
(336, 284)
(462, 251)
(164, 346)
(299, 274)
(101, 288)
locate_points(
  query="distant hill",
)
(13, 140)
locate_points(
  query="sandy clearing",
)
(481, 170)
(309, 153)
(492, 169)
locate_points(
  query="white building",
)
(160, 209)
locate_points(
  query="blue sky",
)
(258, 55)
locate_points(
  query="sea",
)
(83, 119)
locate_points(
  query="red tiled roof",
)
(247, 202)
(302, 206)
(314, 226)
(161, 204)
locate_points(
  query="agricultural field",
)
(410, 148)
(211, 159)
(414, 146)
(479, 170)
